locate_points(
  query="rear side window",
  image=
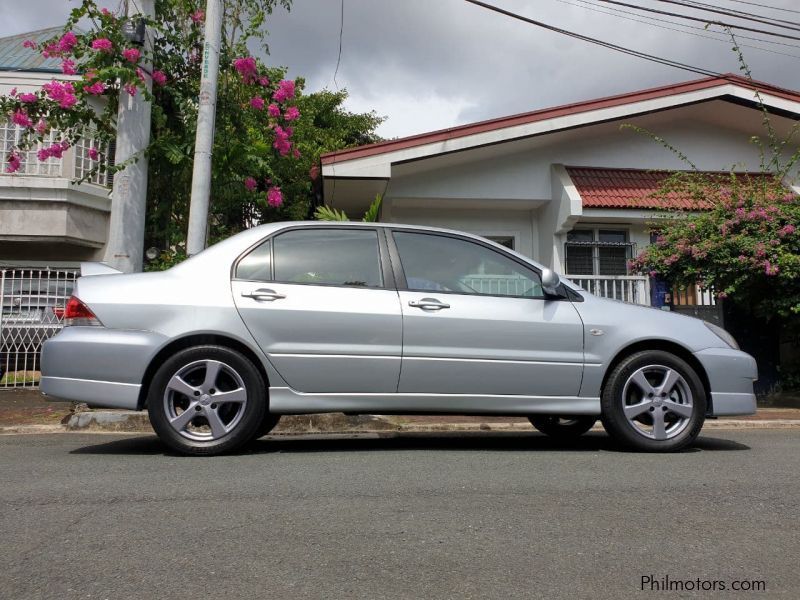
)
(328, 257)
(257, 265)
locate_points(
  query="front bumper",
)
(99, 366)
(731, 374)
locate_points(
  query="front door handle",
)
(263, 294)
(428, 304)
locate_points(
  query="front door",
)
(315, 301)
(476, 321)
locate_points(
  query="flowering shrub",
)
(109, 64)
(746, 247)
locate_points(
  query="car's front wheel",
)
(207, 400)
(653, 401)
(567, 427)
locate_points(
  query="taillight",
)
(77, 313)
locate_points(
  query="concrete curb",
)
(110, 421)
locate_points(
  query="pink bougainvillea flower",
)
(296, 153)
(14, 163)
(93, 153)
(159, 78)
(20, 117)
(285, 91)
(787, 230)
(132, 55)
(96, 89)
(250, 183)
(291, 113)
(198, 16)
(27, 98)
(247, 68)
(43, 154)
(130, 88)
(67, 42)
(274, 197)
(105, 12)
(68, 67)
(770, 269)
(41, 126)
(29, 44)
(63, 93)
(274, 110)
(51, 51)
(103, 45)
(282, 143)
(722, 295)
(263, 80)
(257, 103)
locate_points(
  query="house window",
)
(598, 251)
(503, 240)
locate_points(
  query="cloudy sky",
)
(430, 64)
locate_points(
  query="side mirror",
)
(550, 281)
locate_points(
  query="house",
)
(45, 218)
(566, 186)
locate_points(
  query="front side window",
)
(446, 264)
(328, 257)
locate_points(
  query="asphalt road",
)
(434, 516)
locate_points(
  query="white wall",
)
(516, 223)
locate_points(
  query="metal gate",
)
(698, 302)
(32, 304)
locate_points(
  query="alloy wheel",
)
(205, 400)
(657, 402)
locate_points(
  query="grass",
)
(20, 377)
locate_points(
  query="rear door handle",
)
(428, 304)
(263, 294)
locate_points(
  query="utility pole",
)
(125, 245)
(204, 140)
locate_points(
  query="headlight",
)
(723, 335)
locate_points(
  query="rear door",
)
(321, 303)
(476, 321)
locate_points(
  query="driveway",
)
(483, 515)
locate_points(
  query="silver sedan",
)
(292, 318)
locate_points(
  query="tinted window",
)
(256, 265)
(439, 263)
(328, 256)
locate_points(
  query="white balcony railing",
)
(628, 288)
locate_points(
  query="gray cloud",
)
(429, 64)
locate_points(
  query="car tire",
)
(207, 400)
(563, 427)
(268, 423)
(653, 401)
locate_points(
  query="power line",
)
(588, 6)
(695, 27)
(591, 40)
(339, 58)
(701, 20)
(738, 14)
(789, 10)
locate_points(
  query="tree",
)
(268, 135)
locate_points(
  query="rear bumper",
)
(99, 366)
(106, 394)
(731, 374)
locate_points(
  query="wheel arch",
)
(665, 346)
(195, 340)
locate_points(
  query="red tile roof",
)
(631, 188)
(558, 111)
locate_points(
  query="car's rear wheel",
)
(207, 400)
(563, 427)
(653, 401)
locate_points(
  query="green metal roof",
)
(14, 57)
